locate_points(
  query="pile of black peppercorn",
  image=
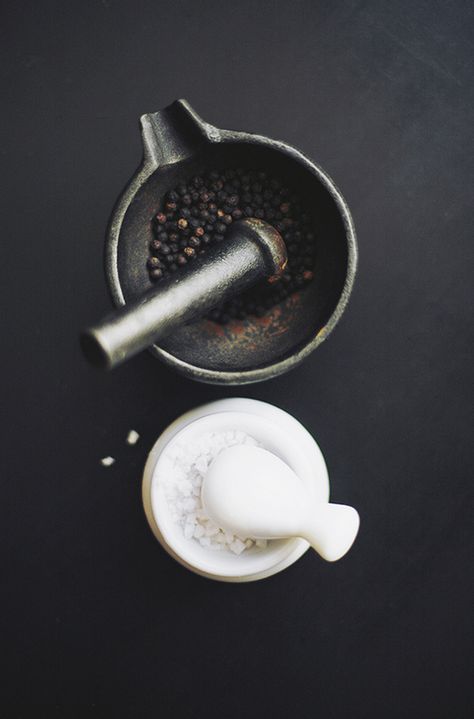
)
(197, 214)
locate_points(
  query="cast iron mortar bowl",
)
(179, 144)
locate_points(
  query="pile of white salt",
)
(183, 467)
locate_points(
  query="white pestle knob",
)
(253, 493)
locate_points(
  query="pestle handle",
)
(331, 530)
(253, 250)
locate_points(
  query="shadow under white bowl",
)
(275, 430)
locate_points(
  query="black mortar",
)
(178, 145)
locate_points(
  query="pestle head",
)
(268, 239)
(253, 493)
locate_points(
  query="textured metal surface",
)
(253, 251)
(178, 144)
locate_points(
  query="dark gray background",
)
(98, 621)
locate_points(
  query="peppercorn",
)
(199, 231)
(182, 223)
(161, 218)
(189, 252)
(153, 263)
(156, 274)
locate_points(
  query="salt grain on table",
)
(132, 437)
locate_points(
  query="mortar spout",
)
(174, 133)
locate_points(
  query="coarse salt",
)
(132, 437)
(183, 468)
(107, 461)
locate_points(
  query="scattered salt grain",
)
(199, 531)
(237, 546)
(188, 530)
(201, 464)
(107, 461)
(183, 468)
(132, 437)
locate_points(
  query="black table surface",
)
(96, 619)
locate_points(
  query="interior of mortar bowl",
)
(254, 343)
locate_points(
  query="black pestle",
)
(252, 251)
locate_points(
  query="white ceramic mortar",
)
(275, 430)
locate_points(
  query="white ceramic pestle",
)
(253, 493)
